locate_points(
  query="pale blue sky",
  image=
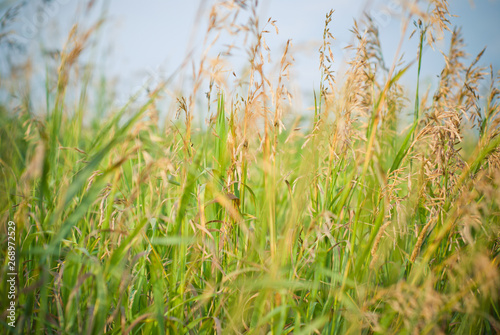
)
(150, 38)
(152, 33)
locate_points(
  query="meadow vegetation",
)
(353, 218)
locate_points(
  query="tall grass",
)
(339, 223)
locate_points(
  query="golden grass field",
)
(352, 218)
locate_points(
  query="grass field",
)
(350, 219)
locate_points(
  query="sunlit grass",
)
(333, 223)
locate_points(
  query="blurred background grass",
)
(376, 211)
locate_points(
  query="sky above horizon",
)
(150, 39)
(303, 23)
